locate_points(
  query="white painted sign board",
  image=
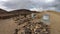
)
(45, 17)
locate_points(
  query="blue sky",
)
(30, 4)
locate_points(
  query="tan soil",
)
(8, 26)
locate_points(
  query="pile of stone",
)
(37, 28)
(31, 27)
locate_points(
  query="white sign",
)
(46, 17)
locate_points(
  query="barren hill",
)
(2, 11)
(4, 14)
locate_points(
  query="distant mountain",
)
(2, 11)
(6, 14)
(23, 11)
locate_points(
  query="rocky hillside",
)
(5, 14)
(2, 11)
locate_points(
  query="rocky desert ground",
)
(19, 23)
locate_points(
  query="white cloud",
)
(4, 0)
(49, 1)
(36, 9)
(27, 4)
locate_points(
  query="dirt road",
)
(7, 26)
(55, 23)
